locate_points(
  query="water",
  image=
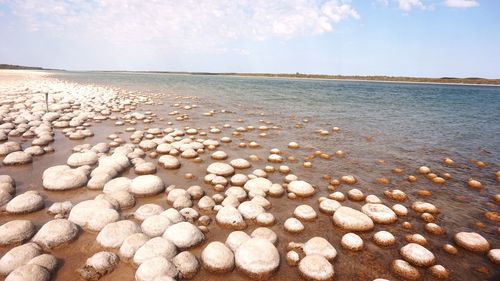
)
(414, 119)
(382, 126)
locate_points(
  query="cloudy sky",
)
(431, 38)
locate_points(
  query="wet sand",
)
(461, 208)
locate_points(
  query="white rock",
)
(316, 267)
(55, 233)
(155, 268)
(93, 215)
(379, 213)
(147, 210)
(31, 272)
(184, 235)
(187, 265)
(472, 241)
(18, 256)
(82, 158)
(98, 265)
(16, 232)
(169, 162)
(305, 212)
(113, 234)
(220, 169)
(131, 244)
(293, 225)
(417, 255)
(352, 242)
(351, 219)
(147, 185)
(265, 233)
(62, 177)
(156, 225)
(235, 239)
(301, 188)
(320, 246)
(250, 210)
(17, 158)
(229, 216)
(216, 257)
(257, 258)
(28, 202)
(155, 247)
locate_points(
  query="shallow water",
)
(405, 125)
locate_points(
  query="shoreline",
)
(269, 77)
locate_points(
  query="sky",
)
(423, 38)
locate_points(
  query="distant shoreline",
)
(470, 81)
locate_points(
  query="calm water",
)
(406, 125)
(416, 120)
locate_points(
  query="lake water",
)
(383, 127)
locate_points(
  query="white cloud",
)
(408, 5)
(187, 24)
(461, 3)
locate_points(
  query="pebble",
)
(384, 238)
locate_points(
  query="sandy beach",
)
(160, 185)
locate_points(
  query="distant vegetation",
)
(12, 66)
(468, 80)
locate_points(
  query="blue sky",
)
(426, 38)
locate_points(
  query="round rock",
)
(258, 258)
(184, 235)
(147, 185)
(113, 234)
(16, 232)
(301, 188)
(351, 219)
(216, 257)
(55, 233)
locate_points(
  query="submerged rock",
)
(63, 177)
(155, 268)
(301, 188)
(98, 265)
(147, 185)
(417, 255)
(319, 246)
(472, 241)
(155, 247)
(93, 215)
(187, 264)
(31, 272)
